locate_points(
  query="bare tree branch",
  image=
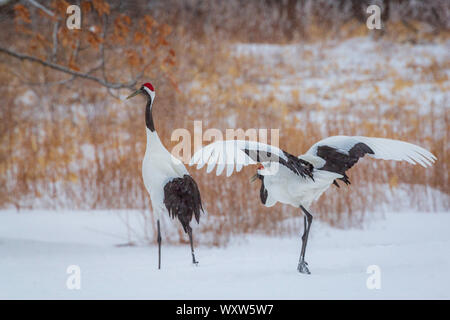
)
(102, 46)
(40, 6)
(55, 40)
(107, 84)
(30, 83)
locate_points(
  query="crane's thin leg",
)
(189, 230)
(159, 244)
(302, 264)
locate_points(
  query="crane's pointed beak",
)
(134, 94)
(253, 178)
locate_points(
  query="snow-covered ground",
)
(36, 248)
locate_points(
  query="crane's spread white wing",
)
(235, 154)
(378, 148)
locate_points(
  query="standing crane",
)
(172, 190)
(299, 181)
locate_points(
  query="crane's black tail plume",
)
(182, 200)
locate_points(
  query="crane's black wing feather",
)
(298, 166)
(182, 199)
(339, 162)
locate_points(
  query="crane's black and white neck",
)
(301, 180)
(172, 190)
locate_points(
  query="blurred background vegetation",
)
(309, 68)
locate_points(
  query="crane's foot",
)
(303, 267)
(194, 262)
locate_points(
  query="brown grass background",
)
(75, 145)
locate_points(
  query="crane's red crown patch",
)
(149, 86)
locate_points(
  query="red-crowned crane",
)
(172, 190)
(299, 181)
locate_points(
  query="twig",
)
(55, 40)
(111, 85)
(409, 26)
(40, 6)
(102, 47)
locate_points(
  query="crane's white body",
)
(172, 190)
(285, 186)
(298, 181)
(158, 168)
